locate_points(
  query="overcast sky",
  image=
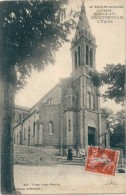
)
(110, 40)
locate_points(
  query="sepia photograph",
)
(62, 97)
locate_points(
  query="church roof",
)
(66, 82)
(21, 108)
(41, 100)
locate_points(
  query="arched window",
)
(91, 57)
(16, 117)
(48, 101)
(83, 52)
(51, 128)
(79, 56)
(29, 137)
(20, 116)
(75, 59)
(90, 98)
(74, 129)
(20, 137)
(29, 130)
(69, 125)
(14, 139)
(24, 133)
(51, 100)
(87, 50)
(17, 138)
(34, 129)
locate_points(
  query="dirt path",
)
(65, 179)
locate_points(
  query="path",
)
(65, 179)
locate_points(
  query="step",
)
(75, 160)
(32, 156)
(73, 163)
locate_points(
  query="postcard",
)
(64, 132)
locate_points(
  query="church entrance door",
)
(91, 136)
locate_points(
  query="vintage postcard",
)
(64, 136)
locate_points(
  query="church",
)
(68, 116)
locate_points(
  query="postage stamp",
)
(102, 160)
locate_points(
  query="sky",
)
(110, 40)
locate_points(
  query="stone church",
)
(69, 114)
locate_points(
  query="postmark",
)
(102, 160)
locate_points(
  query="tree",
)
(117, 137)
(116, 127)
(31, 32)
(108, 115)
(114, 77)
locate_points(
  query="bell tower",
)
(83, 50)
(83, 46)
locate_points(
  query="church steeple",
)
(84, 43)
(83, 21)
(83, 7)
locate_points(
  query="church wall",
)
(19, 114)
(75, 129)
(24, 127)
(78, 72)
(81, 84)
(28, 128)
(92, 115)
(17, 135)
(70, 128)
(96, 99)
(85, 91)
(76, 87)
(80, 136)
(65, 129)
(51, 114)
(70, 131)
(69, 119)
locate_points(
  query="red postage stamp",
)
(102, 160)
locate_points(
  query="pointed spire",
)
(83, 26)
(83, 6)
(83, 16)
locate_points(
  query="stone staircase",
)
(37, 157)
(33, 156)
